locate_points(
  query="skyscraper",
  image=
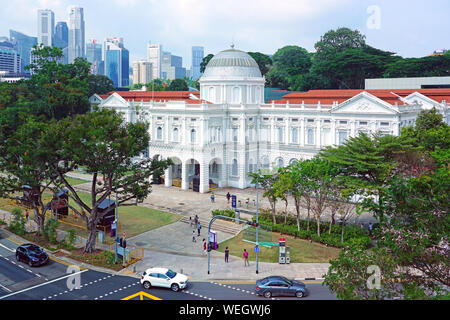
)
(94, 56)
(10, 61)
(172, 67)
(76, 47)
(142, 72)
(61, 38)
(46, 27)
(117, 61)
(197, 57)
(24, 46)
(154, 56)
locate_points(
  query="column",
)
(184, 176)
(204, 177)
(168, 177)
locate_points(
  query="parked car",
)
(280, 286)
(31, 254)
(163, 277)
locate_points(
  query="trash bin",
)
(236, 216)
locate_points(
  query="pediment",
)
(418, 98)
(364, 103)
(95, 99)
(115, 100)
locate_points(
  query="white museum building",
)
(217, 135)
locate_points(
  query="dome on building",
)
(232, 64)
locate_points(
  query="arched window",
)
(280, 163)
(159, 133)
(234, 168)
(310, 136)
(175, 135)
(193, 136)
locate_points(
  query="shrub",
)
(71, 236)
(17, 225)
(50, 230)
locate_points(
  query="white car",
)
(163, 277)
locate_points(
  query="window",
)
(280, 134)
(266, 119)
(193, 136)
(295, 120)
(175, 135)
(236, 95)
(363, 123)
(327, 121)
(235, 134)
(234, 169)
(342, 137)
(280, 119)
(310, 136)
(384, 124)
(310, 120)
(280, 163)
(159, 118)
(294, 135)
(175, 119)
(159, 133)
(342, 122)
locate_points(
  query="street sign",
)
(233, 201)
(256, 249)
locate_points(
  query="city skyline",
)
(414, 30)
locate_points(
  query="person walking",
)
(193, 236)
(190, 222)
(212, 197)
(204, 246)
(228, 197)
(198, 228)
(245, 254)
(227, 254)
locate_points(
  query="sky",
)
(410, 28)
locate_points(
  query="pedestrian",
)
(193, 236)
(190, 222)
(227, 253)
(26, 215)
(196, 220)
(246, 263)
(204, 246)
(212, 197)
(228, 197)
(198, 228)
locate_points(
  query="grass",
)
(301, 251)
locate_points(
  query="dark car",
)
(280, 286)
(31, 254)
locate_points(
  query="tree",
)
(205, 62)
(335, 41)
(292, 60)
(267, 180)
(106, 146)
(264, 62)
(178, 85)
(24, 162)
(100, 84)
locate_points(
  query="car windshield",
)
(171, 274)
(34, 250)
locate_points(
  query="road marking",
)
(5, 288)
(7, 248)
(42, 284)
(141, 295)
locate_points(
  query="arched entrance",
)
(215, 173)
(193, 174)
(176, 172)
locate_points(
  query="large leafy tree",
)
(264, 61)
(178, 85)
(106, 147)
(205, 62)
(100, 84)
(335, 41)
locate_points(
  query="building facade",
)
(46, 27)
(198, 54)
(172, 67)
(76, 46)
(24, 46)
(94, 54)
(10, 60)
(117, 62)
(154, 56)
(217, 135)
(61, 39)
(142, 72)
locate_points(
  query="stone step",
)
(219, 225)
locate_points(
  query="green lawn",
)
(301, 251)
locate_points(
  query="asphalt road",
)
(59, 281)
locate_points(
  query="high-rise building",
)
(117, 61)
(154, 56)
(10, 61)
(76, 47)
(94, 56)
(24, 46)
(172, 67)
(46, 27)
(142, 72)
(61, 39)
(197, 58)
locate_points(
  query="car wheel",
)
(175, 287)
(147, 285)
(30, 263)
(17, 257)
(299, 294)
(268, 294)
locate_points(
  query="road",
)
(59, 281)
